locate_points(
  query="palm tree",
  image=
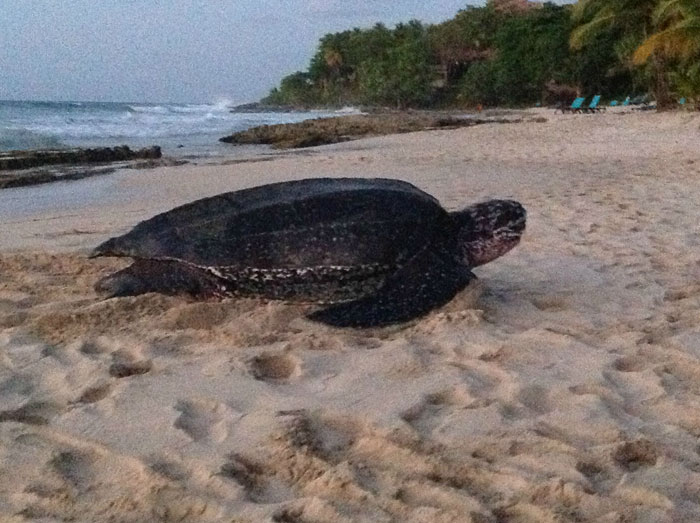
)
(677, 38)
(634, 20)
(678, 34)
(631, 17)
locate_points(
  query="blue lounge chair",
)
(682, 101)
(593, 106)
(613, 103)
(626, 102)
(575, 106)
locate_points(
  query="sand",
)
(564, 385)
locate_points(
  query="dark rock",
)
(65, 172)
(13, 160)
(322, 131)
(257, 107)
(26, 177)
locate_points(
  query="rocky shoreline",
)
(13, 160)
(322, 131)
(62, 173)
(257, 107)
(34, 167)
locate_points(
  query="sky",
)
(188, 51)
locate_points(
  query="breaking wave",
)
(33, 125)
(18, 139)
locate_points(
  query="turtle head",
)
(488, 230)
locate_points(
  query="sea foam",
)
(178, 128)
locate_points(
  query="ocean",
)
(182, 130)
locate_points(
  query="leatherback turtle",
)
(375, 251)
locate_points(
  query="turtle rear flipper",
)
(164, 276)
(431, 279)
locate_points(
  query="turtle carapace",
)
(374, 251)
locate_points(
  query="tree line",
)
(506, 54)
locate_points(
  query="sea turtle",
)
(375, 251)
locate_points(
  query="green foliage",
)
(599, 68)
(466, 39)
(401, 77)
(479, 85)
(335, 66)
(533, 48)
(295, 89)
(493, 57)
(686, 82)
(677, 40)
(402, 74)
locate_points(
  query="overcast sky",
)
(176, 50)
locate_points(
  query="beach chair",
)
(613, 103)
(682, 101)
(593, 106)
(575, 106)
(626, 102)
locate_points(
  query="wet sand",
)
(562, 386)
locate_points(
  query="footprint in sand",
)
(590, 469)
(326, 437)
(95, 393)
(74, 467)
(203, 419)
(536, 398)
(634, 454)
(427, 414)
(127, 363)
(175, 471)
(597, 474)
(33, 413)
(93, 348)
(630, 364)
(682, 293)
(248, 474)
(274, 367)
(12, 319)
(551, 302)
(18, 385)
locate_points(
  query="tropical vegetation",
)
(509, 53)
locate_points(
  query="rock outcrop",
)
(257, 107)
(322, 131)
(13, 160)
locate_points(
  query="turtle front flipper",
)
(431, 279)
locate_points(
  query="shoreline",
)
(561, 384)
(40, 166)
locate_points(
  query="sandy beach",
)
(563, 385)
